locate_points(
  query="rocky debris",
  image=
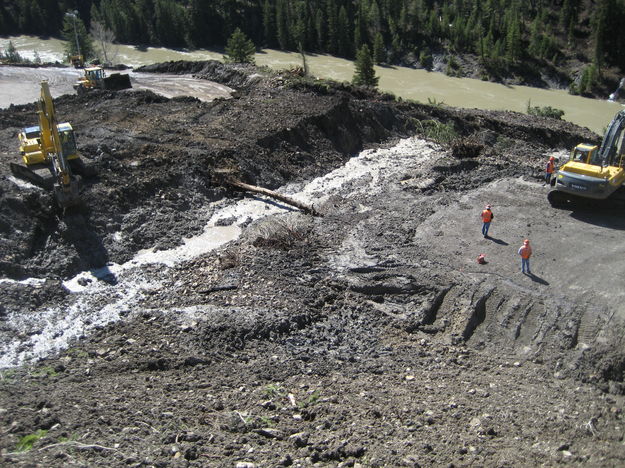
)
(366, 337)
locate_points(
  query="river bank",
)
(402, 81)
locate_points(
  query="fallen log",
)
(270, 193)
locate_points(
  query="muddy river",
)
(408, 83)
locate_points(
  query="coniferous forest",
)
(499, 33)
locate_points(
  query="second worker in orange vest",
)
(525, 252)
(487, 217)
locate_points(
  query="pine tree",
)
(239, 49)
(320, 29)
(513, 37)
(365, 73)
(599, 21)
(11, 54)
(333, 20)
(282, 24)
(378, 49)
(298, 27)
(169, 24)
(269, 23)
(425, 59)
(375, 19)
(76, 37)
(343, 35)
(360, 30)
(204, 23)
(535, 37)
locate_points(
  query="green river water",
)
(406, 82)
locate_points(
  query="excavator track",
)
(38, 175)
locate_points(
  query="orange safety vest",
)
(525, 251)
(487, 216)
(550, 167)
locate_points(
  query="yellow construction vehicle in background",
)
(77, 61)
(47, 150)
(95, 78)
(593, 172)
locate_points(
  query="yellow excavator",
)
(593, 172)
(95, 78)
(47, 150)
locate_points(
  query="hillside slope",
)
(366, 336)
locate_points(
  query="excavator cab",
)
(583, 153)
(68, 141)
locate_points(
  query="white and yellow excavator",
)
(593, 172)
(47, 150)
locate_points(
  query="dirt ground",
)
(366, 336)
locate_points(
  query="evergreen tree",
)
(599, 21)
(144, 14)
(333, 20)
(513, 37)
(396, 47)
(535, 37)
(169, 23)
(239, 49)
(204, 23)
(298, 27)
(365, 73)
(282, 24)
(11, 54)
(119, 16)
(378, 49)
(76, 37)
(375, 19)
(269, 24)
(320, 29)
(434, 26)
(344, 35)
(425, 59)
(360, 28)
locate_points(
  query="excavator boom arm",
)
(608, 150)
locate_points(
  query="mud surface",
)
(24, 84)
(368, 336)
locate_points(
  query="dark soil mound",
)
(362, 337)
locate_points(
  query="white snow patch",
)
(111, 293)
(26, 282)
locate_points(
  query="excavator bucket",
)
(68, 195)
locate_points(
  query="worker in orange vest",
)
(551, 167)
(525, 252)
(487, 217)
